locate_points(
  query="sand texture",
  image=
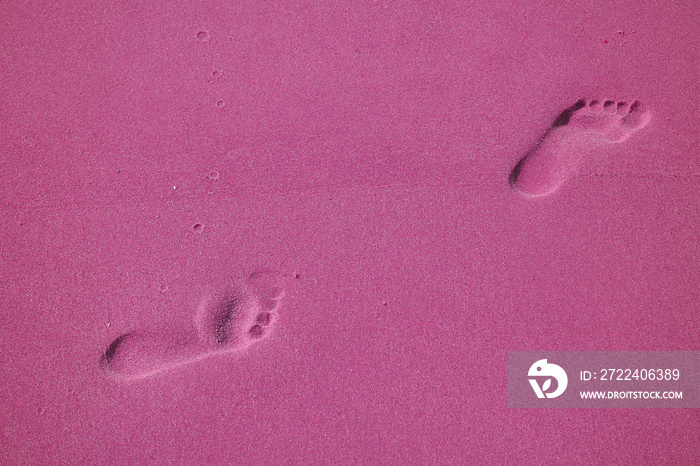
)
(310, 232)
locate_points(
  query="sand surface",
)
(157, 156)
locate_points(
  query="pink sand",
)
(366, 147)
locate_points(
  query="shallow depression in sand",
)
(228, 320)
(584, 128)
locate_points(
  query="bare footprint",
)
(236, 316)
(586, 126)
(228, 320)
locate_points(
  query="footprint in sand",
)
(586, 126)
(227, 321)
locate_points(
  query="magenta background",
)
(366, 146)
